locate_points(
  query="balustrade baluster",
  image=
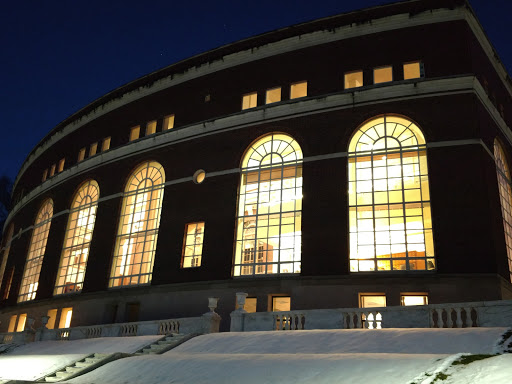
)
(458, 321)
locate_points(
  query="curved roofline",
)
(356, 16)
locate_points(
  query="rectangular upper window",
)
(45, 174)
(281, 303)
(193, 245)
(412, 70)
(52, 170)
(134, 133)
(12, 323)
(382, 75)
(273, 95)
(21, 322)
(168, 122)
(353, 79)
(413, 299)
(61, 165)
(151, 127)
(81, 155)
(65, 317)
(299, 90)
(250, 100)
(93, 149)
(52, 316)
(105, 146)
(372, 300)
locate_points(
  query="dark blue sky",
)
(57, 56)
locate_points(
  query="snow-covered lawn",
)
(387, 356)
(34, 360)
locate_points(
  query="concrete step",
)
(52, 379)
(74, 369)
(92, 360)
(62, 374)
(101, 355)
(82, 364)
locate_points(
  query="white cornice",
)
(274, 113)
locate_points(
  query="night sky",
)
(57, 56)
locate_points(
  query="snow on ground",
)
(390, 356)
(34, 360)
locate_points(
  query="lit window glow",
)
(193, 245)
(61, 165)
(52, 317)
(45, 175)
(12, 323)
(65, 317)
(250, 100)
(353, 79)
(382, 75)
(138, 226)
(168, 122)
(412, 70)
(280, 303)
(134, 133)
(105, 146)
(389, 201)
(410, 299)
(52, 170)
(21, 322)
(35, 255)
(299, 90)
(81, 155)
(503, 173)
(273, 95)
(151, 127)
(269, 208)
(93, 149)
(77, 241)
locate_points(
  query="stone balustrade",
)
(457, 315)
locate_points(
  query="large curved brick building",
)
(361, 159)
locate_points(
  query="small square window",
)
(281, 303)
(250, 100)
(65, 317)
(407, 299)
(105, 146)
(382, 75)
(151, 127)
(370, 300)
(21, 322)
(168, 122)
(81, 155)
(52, 316)
(52, 170)
(299, 90)
(12, 323)
(250, 305)
(45, 174)
(61, 165)
(273, 95)
(353, 79)
(412, 70)
(134, 133)
(93, 149)
(193, 245)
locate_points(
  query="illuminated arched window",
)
(6, 249)
(75, 251)
(36, 251)
(505, 197)
(269, 208)
(389, 201)
(138, 226)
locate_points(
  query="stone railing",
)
(459, 315)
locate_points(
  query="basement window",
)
(298, 90)
(168, 122)
(413, 70)
(193, 245)
(134, 133)
(61, 165)
(407, 299)
(383, 75)
(105, 146)
(280, 303)
(65, 317)
(249, 100)
(250, 304)
(21, 322)
(45, 174)
(93, 149)
(52, 170)
(151, 128)
(273, 95)
(12, 323)
(81, 155)
(52, 316)
(353, 79)
(372, 300)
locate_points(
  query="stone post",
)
(238, 315)
(211, 320)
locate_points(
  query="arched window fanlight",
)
(504, 180)
(138, 226)
(268, 239)
(37, 248)
(75, 252)
(389, 200)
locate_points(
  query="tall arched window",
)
(36, 251)
(5, 255)
(75, 251)
(268, 236)
(505, 197)
(138, 226)
(389, 201)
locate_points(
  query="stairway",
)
(82, 366)
(165, 344)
